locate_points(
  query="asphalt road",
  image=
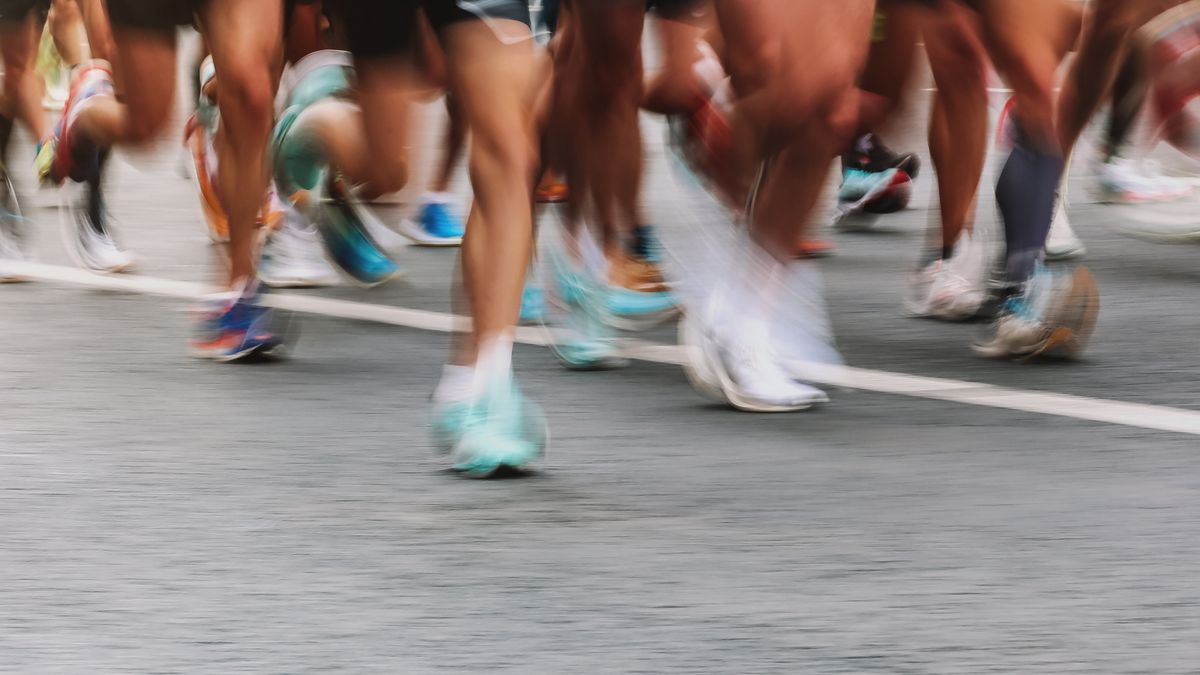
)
(159, 514)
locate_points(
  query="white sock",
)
(494, 363)
(749, 294)
(455, 385)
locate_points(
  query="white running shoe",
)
(939, 292)
(745, 369)
(292, 257)
(950, 290)
(1129, 181)
(14, 244)
(89, 238)
(1061, 243)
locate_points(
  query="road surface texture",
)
(165, 515)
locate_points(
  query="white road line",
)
(1160, 418)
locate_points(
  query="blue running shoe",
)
(436, 225)
(236, 331)
(584, 340)
(533, 304)
(501, 431)
(351, 247)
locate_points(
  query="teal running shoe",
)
(502, 431)
(861, 186)
(583, 336)
(630, 310)
(533, 304)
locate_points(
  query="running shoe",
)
(1061, 241)
(292, 256)
(533, 304)
(1126, 181)
(342, 223)
(1053, 315)
(501, 431)
(88, 232)
(582, 336)
(13, 236)
(743, 371)
(937, 291)
(638, 296)
(233, 330)
(861, 188)
(436, 224)
(870, 154)
(75, 157)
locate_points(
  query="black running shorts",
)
(18, 10)
(673, 9)
(383, 28)
(154, 15)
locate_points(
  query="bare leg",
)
(23, 87)
(245, 39)
(493, 80)
(674, 89)
(66, 27)
(958, 133)
(99, 31)
(598, 90)
(1103, 45)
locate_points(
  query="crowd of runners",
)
(304, 113)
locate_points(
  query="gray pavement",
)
(159, 514)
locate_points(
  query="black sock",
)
(1025, 194)
(1128, 95)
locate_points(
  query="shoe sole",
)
(636, 323)
(1072, 253)
(418, 237)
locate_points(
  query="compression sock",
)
(1025, 195)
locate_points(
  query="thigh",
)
(1021, 38)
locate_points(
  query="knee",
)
(246, 98)
(512, 153)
